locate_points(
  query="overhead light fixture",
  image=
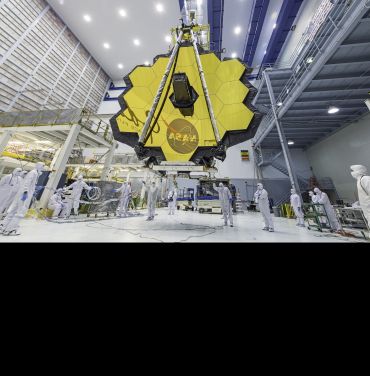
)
(265, 52)
(237, 30)
(290, 142)
(122, 13)
(333, 110)
(279, 104)
(120, 66)
(274, 27)
(234, 55)
(137, 42)
(310, 60)
(159, 7)
(106, 45)
(87, 18)
(168, 38)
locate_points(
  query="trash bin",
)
(277, 211)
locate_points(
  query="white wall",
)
(304, 17)
(233, 167)
(334, 156)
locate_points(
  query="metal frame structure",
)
(315, 78)
(330, 66)
(67, 128)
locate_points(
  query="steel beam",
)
(108, 161)
(40, 128)
(283, 142)
(60, 165)
(97, 139)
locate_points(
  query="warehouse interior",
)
(185, 121)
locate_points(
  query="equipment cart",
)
(316, 217)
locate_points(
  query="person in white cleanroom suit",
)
(261, 198)
(296, 203)
(22, 201)
(153, 191)
(77, 189)
(360, 173)
(56, 203)
(172, 202)
(9, 186)
(225, 200)
(323, 199)
(314, 198)
(23, 174)
(126, 194)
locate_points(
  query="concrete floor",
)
(183, 227)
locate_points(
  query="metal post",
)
(284, 145)
(108, 162)
(161, 88)
(4, 139)
(54, 161)
(60, 165)
(205, 89)
(262, 83)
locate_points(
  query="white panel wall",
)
(233, 167)
(334, 156)
(303, 19)
(42, 64)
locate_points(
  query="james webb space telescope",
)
(188, 106)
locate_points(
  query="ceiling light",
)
(234, 55)
(159, 7)
(274, 27)
(310, 60)
(168, 38)
(137, 42)
(122, 13)
(106, 45)
(333, 110)
(290, 142)
(265, 52)
(279, 104)
(237, 30)
(120, 66)
(87, 18)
